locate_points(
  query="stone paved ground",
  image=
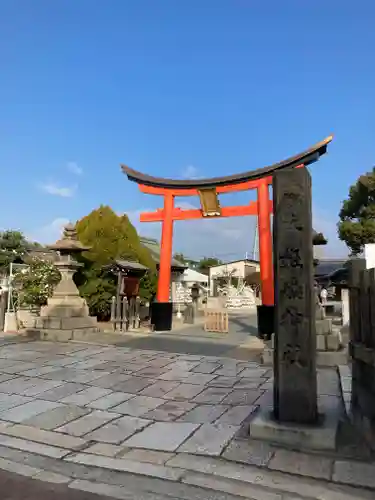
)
(89, 415)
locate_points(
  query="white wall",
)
(239, 269)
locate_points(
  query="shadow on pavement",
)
(183, 346)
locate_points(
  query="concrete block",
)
(148, 456)
(333, 342)
(123, 465)
(323, 326)
(332, 358)
(267, 357)
(56, 335)
(45, 437)
(249, 452)
(77, 323)
(52, 477)
(302, 464)
(321, 344)
(319, 437)
(17, 468)
(32, 447)
(354, 473)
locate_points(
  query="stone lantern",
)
(66, 315)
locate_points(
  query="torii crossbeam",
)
(208, 191)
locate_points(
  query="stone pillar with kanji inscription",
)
(295, 381)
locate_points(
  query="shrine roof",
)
(153, 246)
(126, 265)
(307, 157)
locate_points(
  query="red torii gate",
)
(208, 191)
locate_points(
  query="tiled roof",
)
(327, 267)
(154, 247)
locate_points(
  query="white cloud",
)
(50, 232)
(56, 190)
(191, 173)
(73, 167)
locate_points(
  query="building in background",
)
(235, 270)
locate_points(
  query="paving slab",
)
(222, 381)
(28, 410)
(105, 449)
(118, 431)
(213, 395)
(87, 423)
(159, 389)
(138, 405)
(242, 397)
(56, 417)
(184, 392)
(151, 372)
(8, 401)
(110, 380)
(206, 367)
(62, 391)
(203, 414)
(209, 439)
(133, 385)
(40, 386)
(248, 383)
(16, 385)
(109, 401)
(84, 397)
(236, 415)
(170, 411)
(162, 436)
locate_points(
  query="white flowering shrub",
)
(36, 283)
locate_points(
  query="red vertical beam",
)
(265, 243)
(164, 280)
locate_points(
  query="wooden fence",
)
(216, 321)
(362, 347)
(125, 315)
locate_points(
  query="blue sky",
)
(179, 88)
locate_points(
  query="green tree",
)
(13, 245)
(110, 237)
(180, 257)
(207, 262)
(357, 215)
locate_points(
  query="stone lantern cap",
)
(69, 243)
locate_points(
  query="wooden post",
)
(164, 280)
(265, 243)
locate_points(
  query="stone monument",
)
(66, 315)
(294, 420)
(295, 385)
